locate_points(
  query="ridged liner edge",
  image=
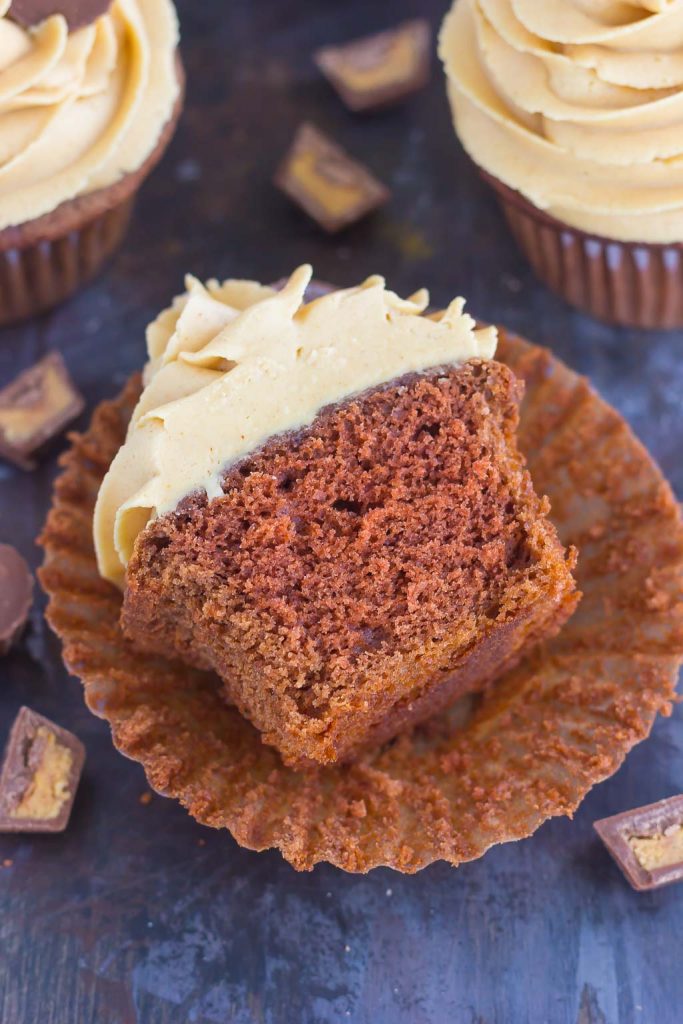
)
(489, 772)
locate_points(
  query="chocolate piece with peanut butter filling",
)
(78, 13)
(647, 842)
(381, 69)
(40, 775)
(34, 408)
(326, 182)
(16, 595)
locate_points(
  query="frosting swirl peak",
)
(577, 104)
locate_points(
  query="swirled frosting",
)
(231, 365)
(577, 104)
(80, 110)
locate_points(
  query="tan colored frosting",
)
(80, 110)
(577, 104)
(231, 365)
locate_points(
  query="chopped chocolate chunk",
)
(34, 408)
(16, 594)
(39, 776)
(77, 12)
(379, 70)
(647, 843)
(326, 182)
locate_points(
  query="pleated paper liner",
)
(626, 283)
(490, 771)
(45, 261)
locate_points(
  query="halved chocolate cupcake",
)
(324, 503)
(488, 771)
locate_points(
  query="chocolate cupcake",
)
(574, 116)
(492, 768)
(323, 502)
(89, 97)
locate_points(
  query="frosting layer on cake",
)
(233, 364)
(79, 110)
(577, 104)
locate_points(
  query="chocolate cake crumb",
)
(360, 575)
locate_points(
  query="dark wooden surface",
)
(139, 916)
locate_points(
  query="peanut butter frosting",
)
(80, 110)
(233, 364)
(578, 105)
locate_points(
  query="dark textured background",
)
(136, 915)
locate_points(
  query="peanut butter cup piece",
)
(381, 69)
(334, 189)
(16, 594)
(78, 13)
(34, 408)
(647, 843)
(40, 775)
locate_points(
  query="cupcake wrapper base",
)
(490, 770)
(620, 283)
(39, 276)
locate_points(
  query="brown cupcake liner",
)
(36, 278)
(623, 283)
(493, 768)
(45, 261)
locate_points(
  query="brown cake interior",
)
(360, 575)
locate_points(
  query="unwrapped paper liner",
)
(490, 771)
